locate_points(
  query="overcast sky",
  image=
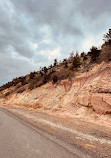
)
(34, 32)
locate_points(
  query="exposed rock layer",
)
(91, 89)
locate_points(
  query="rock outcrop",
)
(91, 89)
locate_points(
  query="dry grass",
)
(33, 106)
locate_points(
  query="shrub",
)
(45, 79)
(55, 62)
(7, 94)
(85, 58)
(107, 36)
(66, 64)
(45, 70)
(83, 54)
(41, 73)
(105, 53)
(76, 62)
(32, 75)
(55, 79)
(94, 53)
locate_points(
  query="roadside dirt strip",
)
(91, 138)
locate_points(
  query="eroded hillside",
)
(79, 84)
(90, 89)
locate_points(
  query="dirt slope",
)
(90, 91)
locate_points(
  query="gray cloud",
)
(94, 9)
(34, 32)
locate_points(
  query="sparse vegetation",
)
(32, 75)
(61, 70)
(94, 53)
(55, 62)
(55, 79)
(107, 36)
(76, 62)
(65, 63)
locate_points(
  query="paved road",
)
(20, 140)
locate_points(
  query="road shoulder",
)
(88, 136)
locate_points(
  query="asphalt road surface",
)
(20, 140)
